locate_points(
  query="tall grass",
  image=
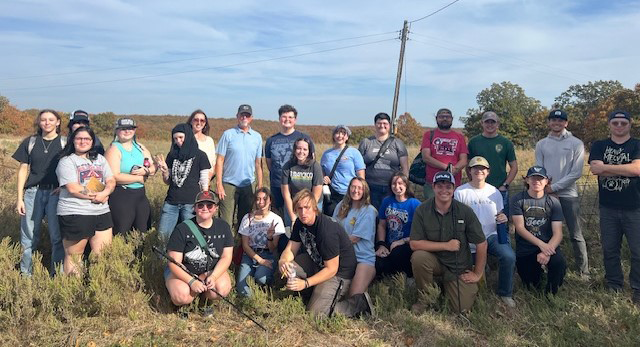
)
(120, 300)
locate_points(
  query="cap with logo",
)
(537, 171)
(479, 161)
(558, 114)
(244, 108)
(125, 123)
(444, 176)
(489, 115)
(620, 114)
(207, 195)
(78, 116)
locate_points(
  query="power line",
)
(434, 12)
(194, 58)
(202, 69)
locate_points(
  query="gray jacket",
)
(563, 157)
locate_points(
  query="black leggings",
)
(130, 210)
(399, 260)
(530, 271)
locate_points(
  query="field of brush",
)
(121, 299)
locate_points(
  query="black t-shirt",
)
(325, 240)
(619, 192)
(538, 215)
(42, 166)
(218, 237)
(184, 178)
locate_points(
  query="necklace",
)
(46, 148)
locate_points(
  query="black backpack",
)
(418, 168)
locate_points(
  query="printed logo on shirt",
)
(396, 219)
(534, 218)
(445, 146)
(180, 171)
(615, 156)
(499, 147)
(301, 176)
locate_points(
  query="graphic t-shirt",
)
(92, 175)
(218, 237)
(538, 215)
(389, 162)
(619, 192)
(360, 222)
(42, 166)
(256, 230)
(445, 147)
(184, 178)
(279, 148)
(398, 216)
(325, 240)
(300, 177)
(498, 151)
(485, 202)
(350, 162)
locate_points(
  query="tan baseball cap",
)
(479, 161)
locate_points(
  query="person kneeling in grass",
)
(204, 245)
(327, 263)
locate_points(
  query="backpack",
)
(32, 143)
(418, 168)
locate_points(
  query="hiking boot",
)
(370, 310)
(507, 300)
(636, 297)
(206, 312)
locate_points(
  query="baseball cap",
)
(79, 116)
(537, 171)
(341, 126)
(489, 115)
(444, 111)
(444, 176)
(558, 114)
(479, 161)
(207, 195)
(244, 108)
(620, 114)
(125, 123)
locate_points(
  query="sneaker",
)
(507, 300)
(206, 312)
(636, 297)
(370, 310)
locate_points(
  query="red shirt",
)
(446, 147)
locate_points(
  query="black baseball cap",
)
(537, 171)
(79, 116)
(125, 123)
(620, 114)
(558, 114)
(444, 176)
(244, 108)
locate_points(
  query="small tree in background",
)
(408, 129)
(103, 123)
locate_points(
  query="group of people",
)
(330, 226)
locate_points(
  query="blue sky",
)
(165, 57)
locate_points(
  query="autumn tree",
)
(514, 108)
(104, 123)
(408, 129)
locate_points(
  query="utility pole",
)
(394, 113)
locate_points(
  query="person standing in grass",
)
(278, 151)
(260, 230)
(38, 188)
(131, 164)
(537, 217)
(393, 252)
(86, 181)
(204, 245)
(238, 166)
(358, 218)
(486, 201)
(498, 151)
(562, 155)
(200, 126)
(381, 166)
(616, 162)
(441, 231)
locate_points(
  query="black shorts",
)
(76, 227)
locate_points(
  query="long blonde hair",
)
(347, 202)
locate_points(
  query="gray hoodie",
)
(563, 157)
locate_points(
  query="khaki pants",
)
(240, 196)
(426, 265)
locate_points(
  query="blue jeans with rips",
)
(38, 203)
(506, 264)
(169, 218)
(261, 274)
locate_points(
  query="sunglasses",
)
(620, 124)
(196, 120)
(201, 205)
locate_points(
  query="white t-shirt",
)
(256, 230)
(209, 148)
(90, 174)
(485, 202)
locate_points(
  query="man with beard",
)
(441, 147)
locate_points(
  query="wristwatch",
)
(506, 185)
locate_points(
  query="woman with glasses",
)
(83, 212)
(200, 126)
(204, 246)
(131, 164)
(260, 230)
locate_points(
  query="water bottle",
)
(291, 270)
(503, 233)
(147, 163)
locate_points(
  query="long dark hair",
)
(408, 192)
(310, 155)
(266, 191)
(70, 148)
(205, 130)
(37, 121)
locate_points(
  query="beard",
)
(444, 125)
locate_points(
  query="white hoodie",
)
(563, 157)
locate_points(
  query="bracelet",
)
(306, 283)
(380, 244)
(191, 282)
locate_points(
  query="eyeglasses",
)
(620, 124)
(201, 205)
(198, 120)
(83, 139)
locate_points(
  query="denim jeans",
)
(261, 274)
(377, 194)
(571, 212)
(614, 223)
(506, 264)
(169, 218)
(505, 202)
(38, 203)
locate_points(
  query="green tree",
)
(514, 108)
(408, 129)
(103, 123)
